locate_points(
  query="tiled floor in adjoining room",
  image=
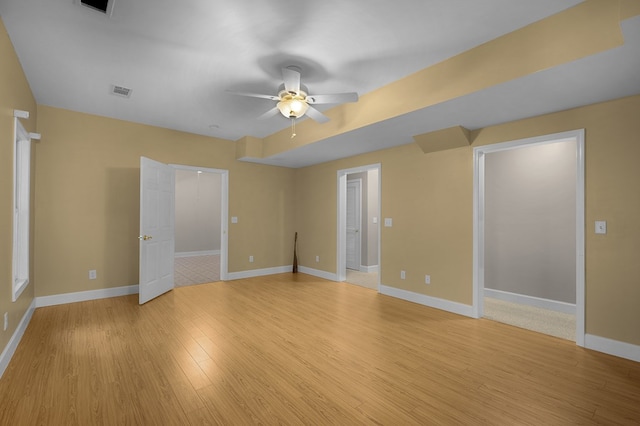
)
(197, 270)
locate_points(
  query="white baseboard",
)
(369, 269)
(259, 272)
(82, 296)
(432, 302)
(537, 302)
(196, 253)
(612, 347)
(318, 273)
(11, 347)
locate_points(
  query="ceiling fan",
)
(294, 101)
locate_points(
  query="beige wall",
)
(87, 199)
(14, 94)
(430, 198)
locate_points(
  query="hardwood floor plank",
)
(295, 349)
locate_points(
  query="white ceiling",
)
(180, 57)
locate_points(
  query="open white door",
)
(157, 240)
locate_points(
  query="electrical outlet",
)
(427, 279)
(403, 275)
(250, 259)
(317, 258)
(93, 274)
(6, 320)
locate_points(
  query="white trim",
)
(580, 239)
(18, 113)
(12, 345)
(536, 302)
(432, 302)
(83, 296)
(22, 211)
(318, 273)
(341, 251)
(259, 272)
(369, 269)
(478, 218)
(196, 253)
(612, 347)
(341, 240)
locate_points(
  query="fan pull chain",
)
(293, 127)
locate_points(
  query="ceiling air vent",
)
(102, 6)
(123, 92)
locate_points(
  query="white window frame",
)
(21, 209)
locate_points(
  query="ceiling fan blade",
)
(337, 98)
(316, 115)
(254, 95)
(291, 80)
(271, 113)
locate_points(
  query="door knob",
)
(145, 237)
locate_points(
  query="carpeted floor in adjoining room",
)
(197, 270)
(545, 321)
(363, 279)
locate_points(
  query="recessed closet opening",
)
(529, 241)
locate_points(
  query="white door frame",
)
(341, 238)
(357, 183)
(224, 213)
(478, 219)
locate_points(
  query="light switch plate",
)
(388, 222)
(601, 226)
(375, 220)
(234, 219)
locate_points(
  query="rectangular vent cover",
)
(120, 91)
(102, 6)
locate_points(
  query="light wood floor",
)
(293, 349)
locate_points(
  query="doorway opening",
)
(529, 234)
(200, 252)
(358, 251)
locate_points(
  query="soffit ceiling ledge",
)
(248, 147)
(440, 140)
(583, 30)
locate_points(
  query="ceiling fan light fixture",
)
(293, 106)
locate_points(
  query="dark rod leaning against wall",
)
(295, 254)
